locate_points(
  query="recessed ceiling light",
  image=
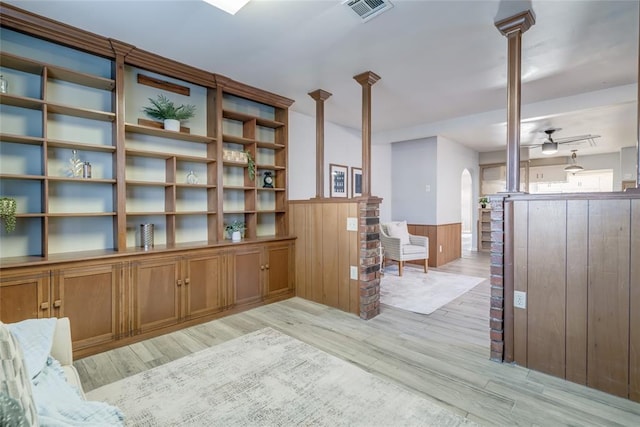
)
(229, 6)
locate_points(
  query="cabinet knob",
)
(267, 266)
(44, 306)
(186, 281)
(57, 303)
(262, 267)
(179, 282)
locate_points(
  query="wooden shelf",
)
(80, 146)
(237, 139)
(85, 113)
(161, 133)
(21, 139)
(78, 214)
(166, 156)
(81, 180)
(18, 176)
(149, 183)
(242, 117)
(21, 101)
(270, 145)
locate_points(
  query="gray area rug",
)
(267, 378)
(422, 293)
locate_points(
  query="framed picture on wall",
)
(339, 180)
(356, 182)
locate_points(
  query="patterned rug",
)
(267, 378)
(422, 293)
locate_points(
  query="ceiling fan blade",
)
(575, 138)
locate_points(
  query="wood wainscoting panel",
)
(330, 253)
(608, 299)
(447, 236)
(577, 290)
(325, 250)
(546, 286)
(521, 243)
(634, 305)
(299, 220)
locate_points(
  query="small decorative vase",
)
(172, 124)
(192, 178)
(76, 166)
(236, 236)
(4, 84)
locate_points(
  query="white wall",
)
(453, 158)
(342, 146)
(414, 167)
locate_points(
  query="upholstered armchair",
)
(401, 246)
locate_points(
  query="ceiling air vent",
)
(368, 9)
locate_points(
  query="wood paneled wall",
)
(449, 236)
(325, 250)
(578, 261)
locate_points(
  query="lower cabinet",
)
(168, 290)
(109, 299)
(24, 296)
(87, 295)
(156, 293)
(260, 272)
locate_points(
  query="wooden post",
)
(512, 28)
(366, 79)
(320, 96)
(502, 306)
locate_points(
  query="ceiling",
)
(442, 63)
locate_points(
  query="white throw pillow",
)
(14, 379)
(399, 230)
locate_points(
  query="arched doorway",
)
(466, 214)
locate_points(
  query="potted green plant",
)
(235, 229)
(8, 208)
(164, 109)
(251, 166)
(483, 202)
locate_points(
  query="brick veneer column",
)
(369, 280)
(496, 322)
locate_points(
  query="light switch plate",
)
(354, 272)
(352, 224)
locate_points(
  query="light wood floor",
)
(443, 356)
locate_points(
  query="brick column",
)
(496, 322)
(369, 280)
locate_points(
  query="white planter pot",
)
(236, 236)
(172, 124)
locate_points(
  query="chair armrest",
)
(419, 240)
(61, 350)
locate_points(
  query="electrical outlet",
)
(519, 299)
(354, 272)
(352, 224)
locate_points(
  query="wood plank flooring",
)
(443, 357)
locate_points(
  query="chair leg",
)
(400, 264)
(426, 265)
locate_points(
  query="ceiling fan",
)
(550, 145)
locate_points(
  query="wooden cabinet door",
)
(88, 296)
(24, 297)
(156, 297)
(247, 274)
(203, 285)
(278, 266)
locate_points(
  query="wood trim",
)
(149, 61)
(366, 80)
(319, 96)
(163, 84)
(41, 27)
(259, 95)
